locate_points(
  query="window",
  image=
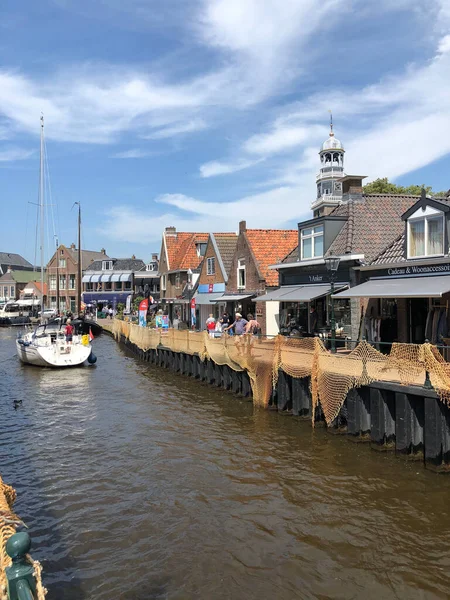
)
(128, 285)
(312, 242)
(52, 301)
(201, 249)
(107, 265)
(5, 291)
(72, 304)
(118, 286)
(241, 274)
(53, 282)
(62, 263)
(177, 281)
(13, 291)
(108, 286)
(61, 252)
(211, 266)
(62, 282)
(426, 236)
(150, 267)
(71, 282)
(163, 282)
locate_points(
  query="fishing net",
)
(332, 376)
(7, 528)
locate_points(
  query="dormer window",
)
(201, 249)
(150, 267)
(311, 242)
(426, 235)
(107, 265)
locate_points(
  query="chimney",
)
(171, 231)
(154, 257)
(133, 257)
(103, 251)
(9, 269)
(72, 246)
(242, 226)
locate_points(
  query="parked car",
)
(48, 313)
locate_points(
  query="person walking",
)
(252, 326)
(69, 331)
(238, 326)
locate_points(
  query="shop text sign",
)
(424, 270)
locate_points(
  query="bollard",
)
(21, 582)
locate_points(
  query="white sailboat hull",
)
(47, 352)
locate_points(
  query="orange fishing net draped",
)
(7, 529)
(332, 376)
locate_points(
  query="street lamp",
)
(332, 263)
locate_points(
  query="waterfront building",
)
(213, 277)
(62, 275)
(147, 280)
(13, 282)
(347, 223)
(250, 276)
(33, 290)
(405, 289)
(179, 267)
(15, 262)
(108, 282)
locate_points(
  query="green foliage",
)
(384, 186)
(120, 308)
(137, 301)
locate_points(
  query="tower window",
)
(312, 242)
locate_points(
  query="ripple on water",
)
(138, 484)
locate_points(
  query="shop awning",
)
(276, 294)
(409, 287)
(235, 298)
(105, 278)
(95, 278)
(116, 277)
(86, 278)
(306, 293)
(125, 277)
(207, 298)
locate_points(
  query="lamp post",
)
(332, 263)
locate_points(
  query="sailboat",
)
(48, 345)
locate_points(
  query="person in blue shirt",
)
(239, 324)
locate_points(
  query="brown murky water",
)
(139, 485)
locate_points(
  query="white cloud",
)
(12, 154)
(177, 129)
(134, 153)
(213, 168)
(282, 138)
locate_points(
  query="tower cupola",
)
(329, 188)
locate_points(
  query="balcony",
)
(328, 199)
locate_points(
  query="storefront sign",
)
(162, 321)
(420, 270)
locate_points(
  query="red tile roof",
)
(270, 246)
(182, 249)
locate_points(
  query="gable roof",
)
(269, 246)
(20, 276)
(119, 264)
(181, 250)
(14, 260)
(87, 256)
(225, 246)
(373, 223)
(37, 285)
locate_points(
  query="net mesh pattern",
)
(332, 376)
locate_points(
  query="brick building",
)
(250, 276)
(64, 265)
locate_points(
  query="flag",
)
(91, 335)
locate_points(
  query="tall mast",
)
(41, 211)
(79, 261)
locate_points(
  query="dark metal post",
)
(333, 320)
(21, 581)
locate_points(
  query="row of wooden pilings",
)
(408, 420)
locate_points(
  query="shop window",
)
(312, 242)
(118, 286)
(62, 263)
(426, 236)
(128, 285)
(241, 273)
(211, 266)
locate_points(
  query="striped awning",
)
(95, 278)
(116, 277)
(86, 278)
(126, 277)
(105, 278)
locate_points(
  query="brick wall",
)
(204, 277)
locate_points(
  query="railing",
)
(329, 198)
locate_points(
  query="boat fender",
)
(92, 359)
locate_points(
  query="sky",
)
(201, 113)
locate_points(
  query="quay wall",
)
(412, 420)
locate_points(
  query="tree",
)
(382, 185)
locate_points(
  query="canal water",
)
(139, 484)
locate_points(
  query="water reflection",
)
(139, 484)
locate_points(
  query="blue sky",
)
(200, 113)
